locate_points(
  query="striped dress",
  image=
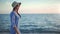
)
(14, 17)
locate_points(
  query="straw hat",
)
(15, 3)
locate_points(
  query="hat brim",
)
(19, 3)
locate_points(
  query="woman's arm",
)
(14, 25)
(16, 29)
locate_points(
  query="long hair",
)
(17, 13)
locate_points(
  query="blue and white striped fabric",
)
(14, 21)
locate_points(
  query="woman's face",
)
(17, 7)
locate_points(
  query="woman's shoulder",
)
(12, 13)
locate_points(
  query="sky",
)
(31, 6)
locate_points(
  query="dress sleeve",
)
(13, 20)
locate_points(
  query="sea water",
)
(33, 23)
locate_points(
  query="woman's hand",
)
(17, 30)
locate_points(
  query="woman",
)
(14, 15)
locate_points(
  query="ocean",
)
(33, 23)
